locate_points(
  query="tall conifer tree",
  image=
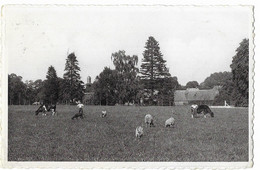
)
(51, 88)
(74, 86)
(153, 68)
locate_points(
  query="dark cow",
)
(42, 109)
(52, 108)
(46, 108)
(204, 109)
(201, 109)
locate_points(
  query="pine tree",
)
(74, 86)
(153, 68)
(51, 86)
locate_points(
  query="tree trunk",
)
(19, 98)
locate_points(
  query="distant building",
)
(88, 98)
(195, 96)
(88, 80)
(88, 86)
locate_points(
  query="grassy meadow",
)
(58, 138)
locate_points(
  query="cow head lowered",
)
(42, 109)
(46, 108)
(205, 110)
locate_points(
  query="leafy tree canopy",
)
(126, 67)
(192, 84)
(240, 72)
(216, 79)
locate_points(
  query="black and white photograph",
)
(128, 84)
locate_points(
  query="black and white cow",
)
(46, 108)
(201, 109)
(52, 108)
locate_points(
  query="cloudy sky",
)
(195, 41)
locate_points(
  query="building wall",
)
(198, 102)
(88, 99)
(180, 103)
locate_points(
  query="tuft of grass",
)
(58, 138)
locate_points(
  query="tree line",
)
(126, 83)
(52, 90)
(235, 84)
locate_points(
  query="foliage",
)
(29, 92)
(127, 85)
(235, 88)
(16, 90)
(51, 90)
(38, 88)
(240, 71)
(51, 86)
(216, 79)
(153, 68)
(73, 85)
(166, 93)
(105, 87)
(192, 84)
(225, 94)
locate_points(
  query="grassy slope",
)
(58, 138)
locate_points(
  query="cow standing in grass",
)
(139, 131)
(52, 108)
(201, 109)
(193, 110)
(104, 113)
(46, 108)
(42, 109)
(148, 119)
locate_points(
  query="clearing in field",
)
(58, 138)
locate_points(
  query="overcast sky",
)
(195, 41)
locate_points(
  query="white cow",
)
(104, 113)
(139, 131)
(148, 119)
(170, 122)
(194, 108)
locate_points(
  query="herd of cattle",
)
(195, 110)
(148, 119)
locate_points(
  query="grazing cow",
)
(201, 109)
(193, 110)
(139, 131)
(148, 119)
(205, 110)
(170, 122)
(45, 109)
(104, 114)
(52, 108)
(42, 109)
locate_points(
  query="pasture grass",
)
(58, 138)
